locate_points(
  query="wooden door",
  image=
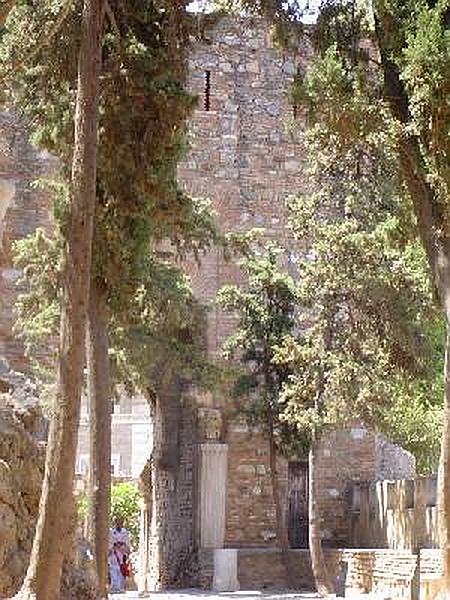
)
(298, 504)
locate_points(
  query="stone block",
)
(273, 109)
(225, 570)
(253, 66)
(292, 166)
(246, 469)
(226, 67)
(289, 67)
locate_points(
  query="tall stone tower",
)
(211, 495)
(244, 159)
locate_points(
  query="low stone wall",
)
(263, 568)
(385, 571)
(399, 514)
(389, 573)
(430, 574)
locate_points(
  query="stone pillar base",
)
(225, 570)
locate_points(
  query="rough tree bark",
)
(322, 579)
(42, 581)
(281, 529)
(99, 387)
(321, 575)
(5, 8)
(444, 476)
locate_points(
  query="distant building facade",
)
(131, 441)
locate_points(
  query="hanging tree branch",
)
(112, 19)
(43, 39)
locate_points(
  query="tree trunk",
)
(282, 534)
(431, 224)
(319, 568)
(444, 475)
(99, 387)
(42, 581)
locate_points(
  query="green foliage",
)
(265, 308)
(163, 334)
(37, 310)
(415, 422)
(140, 208)
(125, 505)
(366, 348)
(425, 62)
(81, 507)
(414, 415)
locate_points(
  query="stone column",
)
(213, 486)
(145, 488)
(144, 543)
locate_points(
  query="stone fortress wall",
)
(23, 208)
(245, 160)
(210, 474)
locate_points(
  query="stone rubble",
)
(21, 472)
(22, 458)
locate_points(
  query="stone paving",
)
(241, 595)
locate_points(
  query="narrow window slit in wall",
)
(295, 111)
(207, 99)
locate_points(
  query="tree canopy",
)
(144, 222)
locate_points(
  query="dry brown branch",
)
(112, 19)
(43, 40)
(5, 8)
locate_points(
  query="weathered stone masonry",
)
(210, 485)
(23, 208)
(246, 161)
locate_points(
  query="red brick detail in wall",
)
(344, 456)
(250, 506)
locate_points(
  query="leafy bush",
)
(125, 504)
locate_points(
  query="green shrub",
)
(125, 504)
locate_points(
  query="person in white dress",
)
(118, 553)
